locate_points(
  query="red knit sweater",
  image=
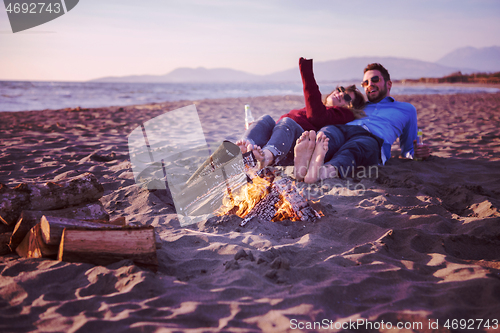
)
(316, 115)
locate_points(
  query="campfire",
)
(268, 198)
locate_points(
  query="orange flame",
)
(249, 195)
(284, 210)
(246, 199)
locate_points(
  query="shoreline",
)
(458, 84)
(55, 99)
(290, 97)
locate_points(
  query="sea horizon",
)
(42, 95)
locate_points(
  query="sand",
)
(411, 243)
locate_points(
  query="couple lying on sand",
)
(326, 139)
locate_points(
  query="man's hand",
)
(422, 151)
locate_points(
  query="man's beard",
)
(382, 93)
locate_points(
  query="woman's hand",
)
(306, 64)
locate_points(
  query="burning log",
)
(103, 247)
(297, 203)
(265, 209)
(49, 196)
(269, 199)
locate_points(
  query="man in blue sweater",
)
(362, 142)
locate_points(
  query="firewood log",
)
(121, 220)
(103, 247)
(5, 228)
(300, 206)
(52, 227)
(265, 209)
(281, 189)
(28, 219)
(4, 243)
(33, 246)
(49, 196)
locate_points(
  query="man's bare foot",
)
(317, 159)
(304, 148)
(328, 171)
(244, 145)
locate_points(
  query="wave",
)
(40, 95)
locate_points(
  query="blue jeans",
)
(351, 146)
(279, 138)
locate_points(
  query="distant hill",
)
(467, 60)
(352, 69)
(486, 59)
(199, 74)
(458, 77)
(348, 69)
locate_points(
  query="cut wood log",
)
(103, 247)
(118, 221)
(4, 243)
(5, 228)
(33, 246)
(52, 227)
(49, 196)
(28, 219)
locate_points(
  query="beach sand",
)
(411, 243)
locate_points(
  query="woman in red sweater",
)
(278, 139)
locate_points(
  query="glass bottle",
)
(248, 117)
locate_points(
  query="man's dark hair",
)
(380, 68)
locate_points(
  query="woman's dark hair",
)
(359, 100)
(357, 104)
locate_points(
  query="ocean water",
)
(39, 95)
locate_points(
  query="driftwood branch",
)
(49, 196)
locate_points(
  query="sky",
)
(100, 38)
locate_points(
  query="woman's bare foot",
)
(304, 148)
(317, 159)
(245, 146)
(264, 157)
